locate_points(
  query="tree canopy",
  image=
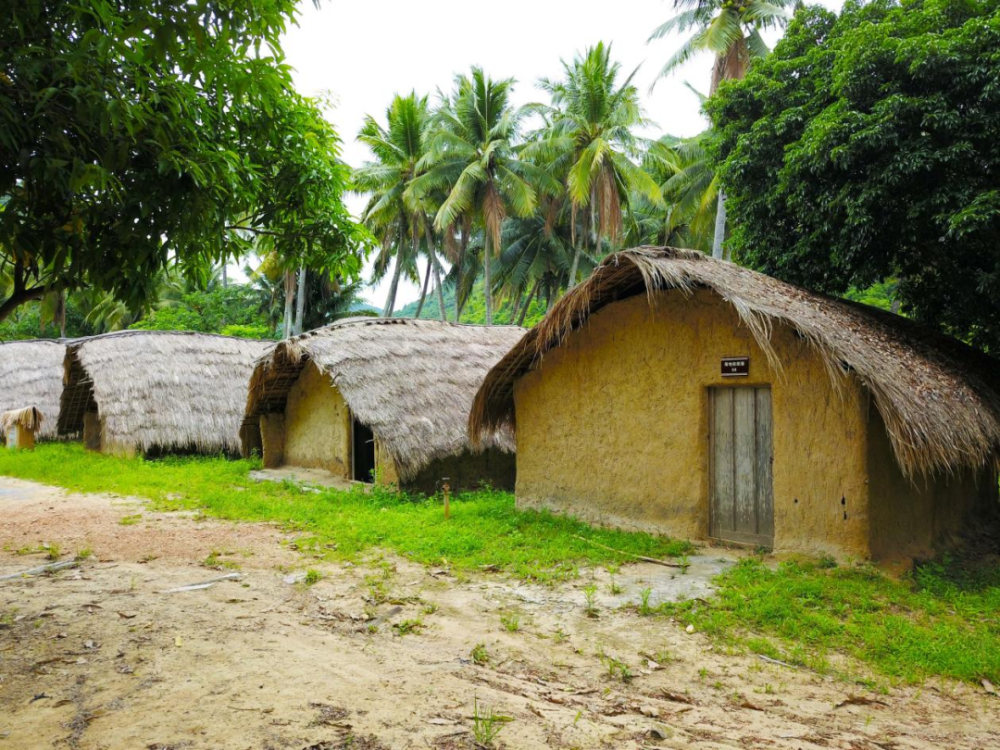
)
(865, 148)
(135, 134)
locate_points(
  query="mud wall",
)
(916, 518)
(317, 424)
(613, 425)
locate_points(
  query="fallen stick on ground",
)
(40, 570)
(776, 661)
(653, 560)
(203, 584)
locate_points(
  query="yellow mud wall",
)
(612, 427)
(272, 440)
(317, 424)
(386, 472)
(92, 431)
(916, 518)
(20, 438)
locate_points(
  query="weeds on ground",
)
(485, 528)
(130, 520)
(480, 655)
(590, 600)
(405, 627)
(617, 669)
(312, 577)
(487, 723)
(511, 621)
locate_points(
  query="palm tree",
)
(590, 140)
(730, 30)
(471, 156)
(689, 187)
(399, 149)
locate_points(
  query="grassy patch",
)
(939, 620)
(485, 528)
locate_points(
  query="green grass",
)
(485, 528)
(942, 619)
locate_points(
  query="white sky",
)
(365, 52)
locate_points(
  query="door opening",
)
(363, 450)
(741, 507)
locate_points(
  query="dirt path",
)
(99, 657)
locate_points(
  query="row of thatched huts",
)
(670, 392)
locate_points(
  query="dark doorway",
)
(363, 448)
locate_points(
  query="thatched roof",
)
(31, 375)
(168, 390)
(411, 381)
(940, 399)
(29, 418)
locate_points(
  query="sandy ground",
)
(100, 657)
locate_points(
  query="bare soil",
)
(99, 657)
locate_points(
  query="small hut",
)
(676, 393)
(153, 392)
(387, 398)
(31, 376)
(19, 426)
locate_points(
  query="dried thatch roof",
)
(29, 418)
(168, 390)
(940, 399)
(31, 375)
(411, 381)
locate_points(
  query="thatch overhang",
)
(31, 374)
(411, 381)
(939, 399)
(163, 390)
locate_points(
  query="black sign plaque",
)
(735, 367)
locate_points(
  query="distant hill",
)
(474, 311)
(365, 307)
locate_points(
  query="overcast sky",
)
(364, 52)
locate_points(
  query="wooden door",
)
(741, 508)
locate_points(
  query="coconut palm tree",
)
(591, 140)
(730, 30)
(471, 157)
(398, 148)
(689, 187)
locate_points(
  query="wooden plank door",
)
(741, 507)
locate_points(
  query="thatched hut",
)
(19, 427)
(157, 391)
(31, 375)
(677, 393)
(388, 398)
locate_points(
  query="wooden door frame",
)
(734, 538)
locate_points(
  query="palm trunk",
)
(720, 226)
(225, 277)
(464, 248)
(289, 297)
(300, 305)
(423, 290)
(573, 268)
(62, 314)
(437, 284)
(390, 301)
(527, 302)
(487, 283)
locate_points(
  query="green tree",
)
(591, 140)
(135, 134)
(864, 149)
(471, 157)
(729, 30)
